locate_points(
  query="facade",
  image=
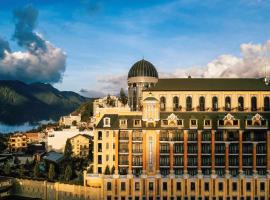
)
(192, 138)
(80, 145)
(56, 139)
(70, 120)
(17, 142)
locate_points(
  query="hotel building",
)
(187, 138)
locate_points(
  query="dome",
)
(143, 68)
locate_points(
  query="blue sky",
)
(102, 39)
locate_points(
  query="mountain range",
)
(21, 102)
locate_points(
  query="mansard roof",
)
(211, 84)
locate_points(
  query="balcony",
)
(123, 162)
(137, 139)
(136, 164)
(166, 151)
(137, 150)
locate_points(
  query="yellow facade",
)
(80, 145)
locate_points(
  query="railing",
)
(137, 150)
(137, 138)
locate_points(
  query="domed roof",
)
(143, 68)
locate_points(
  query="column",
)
(185, 150)
(144, 152)
(227, 157)
(254, 157)
(157, 152)
(130, 152)
(171, 158)
(199, 152)
(116, 151)
(213, 151)
(241, 151)
(268, 152)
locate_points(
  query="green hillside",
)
(20, 102)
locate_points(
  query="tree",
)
(113, 169)
(123, 97)
(107, 170)
(110, 101)
(90, 153)
(16, 160)
(7, 168)
(27, 164)
(21, 171)
(68, 173)
(74, 123)
(36, 170)
(80, 178)
(68, 149)
(51, 174)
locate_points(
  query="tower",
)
(142, 75)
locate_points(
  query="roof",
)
(143, 68)
(150, 99)
(83, 135)
(53, 156)
(186, 116)
(211, 84)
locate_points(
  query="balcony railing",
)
(137, 150)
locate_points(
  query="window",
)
(228, 104)
(178, 186)
(215, 104)
(189, 103)
(234, 186)
(123, 186)
(123, 122)
(99, 135)
(253, 104)
(202, 104)
(179, 122)
(109, 186)
(137, 186)
(107, 158)
(99, 147)
(206, 186)
(137, 122)
(165, 122)
(248, 186)
(109, 197)
(107, 145)
(207, 122)
(240, 103)
(164, 186)
(162, 104)
(192, 186)
(266, 104)
(193, 122)
(107, 133)
(106, 122)
(262, 186)
(175, 103)
(151, 186)
(100, 170)
(99, 159)
(220, 186)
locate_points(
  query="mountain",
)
(21, 102)
(86, 110)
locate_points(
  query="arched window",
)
(253, 104)
(228, 104)
(162, 104)
(175, 103)
(240, 103)
(266, 104)
(215, 104)
(189, 103)
(202, 103)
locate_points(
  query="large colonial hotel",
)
(184, 139)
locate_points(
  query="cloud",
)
(113, 84)
(91, 93)
(40, 62)
(252, 62)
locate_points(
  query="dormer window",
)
(165, 122)
(123, 122)
(107, 122)
(207, 122)
(179, 122)
(193, 122)
(137, 122)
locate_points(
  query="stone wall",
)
(55, 191)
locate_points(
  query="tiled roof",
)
(211, 84)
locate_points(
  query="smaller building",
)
(5, 186)
(70, 120)
(17, 142)
(54, 158)
(81, 145)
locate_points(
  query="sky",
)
(88, 46)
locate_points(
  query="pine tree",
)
(123, 97)
(36, 170)
(7, 168)
(21, 171)
(68, 173)
(27, 163)
(107, 170)
(68, 149)
(51, 174)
